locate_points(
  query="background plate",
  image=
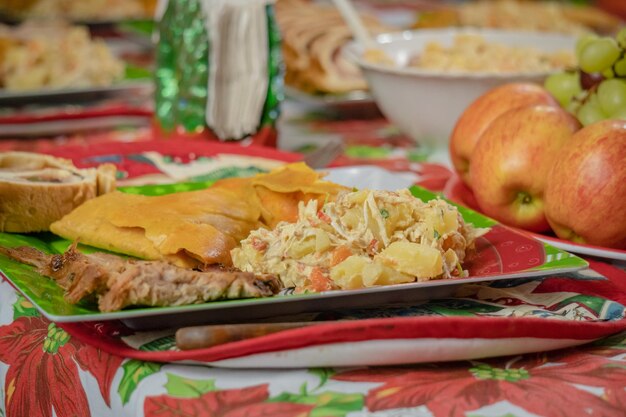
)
(351, 99)
(82, 94)
(369, 176)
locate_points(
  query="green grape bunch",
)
(596, 89)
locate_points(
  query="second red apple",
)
(511, 162)
(483, 111)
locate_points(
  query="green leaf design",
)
(134, 372)
(179, 386)
(304, 389)
(324, 375)
(197, 183)
(460, 307)
(132, 72)
(13, 240)
(159, 345)
(418, 155)
(23, 308)
(163, 189)
(306, 148)
(327, 404)
(138, 27)
(593, 303)
(371, 152)
(228, 172)
(557, 258)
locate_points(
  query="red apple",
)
(484, 110)
(511, 162)
(586, 192)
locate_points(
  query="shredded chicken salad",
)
(364, 238)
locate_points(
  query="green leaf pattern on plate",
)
(48, 295)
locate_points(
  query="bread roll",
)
(36, 190)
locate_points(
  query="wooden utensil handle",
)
(197, 337)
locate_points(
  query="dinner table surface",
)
(552, 345)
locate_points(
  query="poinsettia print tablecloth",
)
(49, 369)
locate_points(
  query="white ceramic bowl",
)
(425, 104)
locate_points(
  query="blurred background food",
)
(547, 16)
(473, 53)
(456, 66)
(55, 55)
(313, 35)
(425, 82)
(78, 10)
(314, 32)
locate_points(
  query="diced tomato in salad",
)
(323, 216)
(339, 254)
(320, 281)
(258, 244)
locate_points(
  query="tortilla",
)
(197, 227)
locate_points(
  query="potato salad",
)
(365, 238)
